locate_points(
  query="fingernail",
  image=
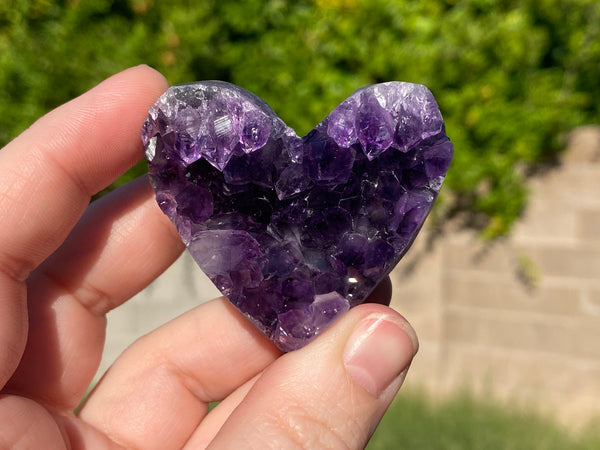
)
(377, 352)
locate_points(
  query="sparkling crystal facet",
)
(295, 231)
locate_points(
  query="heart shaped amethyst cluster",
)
(295, 231)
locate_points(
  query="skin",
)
(64, 264)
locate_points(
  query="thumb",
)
(331, 393)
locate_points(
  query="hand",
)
(64, 265)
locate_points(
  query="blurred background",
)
(503, 284)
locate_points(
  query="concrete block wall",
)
(517, 319)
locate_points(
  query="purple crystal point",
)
(374, 126)
(295, 231)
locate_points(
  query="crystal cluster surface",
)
(295, 231)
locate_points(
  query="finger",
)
(331, 393)
(49, 172)
(121, 244)
(156, 394)
(213, 422)
(17, 414)
(47, 176)
(213, 344)
(13, 325)
(25, 424)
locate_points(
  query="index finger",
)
(48, 173)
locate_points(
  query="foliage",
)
(462, 422)
(510, 76)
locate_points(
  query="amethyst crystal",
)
(295, 231)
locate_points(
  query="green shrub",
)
(511, 77)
